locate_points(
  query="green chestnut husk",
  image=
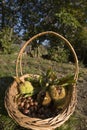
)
(26, 88)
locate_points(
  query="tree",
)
(65, 17)
(7, 40)
(2, 13)
(9, 13)
(81, 45)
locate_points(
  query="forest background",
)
(20, 20)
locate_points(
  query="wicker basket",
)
(37, 123)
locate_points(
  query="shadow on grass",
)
(4, 84)
(6, 123)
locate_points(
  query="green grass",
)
(35, 66)
(71, 124)
(7, 65)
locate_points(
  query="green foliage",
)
(58, 54)
(7, 122)
(81, 45)
(6, 40)
(70, 124)
(67, 19)
(83, 36)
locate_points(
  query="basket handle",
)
(19, 58)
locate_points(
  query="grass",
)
(30, 65)
(7, 65)
(71, 124)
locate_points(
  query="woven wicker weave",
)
(37, 123)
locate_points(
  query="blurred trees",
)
(7, 40)
(29, 17)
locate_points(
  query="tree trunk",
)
(2, 13)
(10, 35)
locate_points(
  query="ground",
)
(81, 108)
(78, 121)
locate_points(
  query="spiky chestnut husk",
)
(26, 88)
